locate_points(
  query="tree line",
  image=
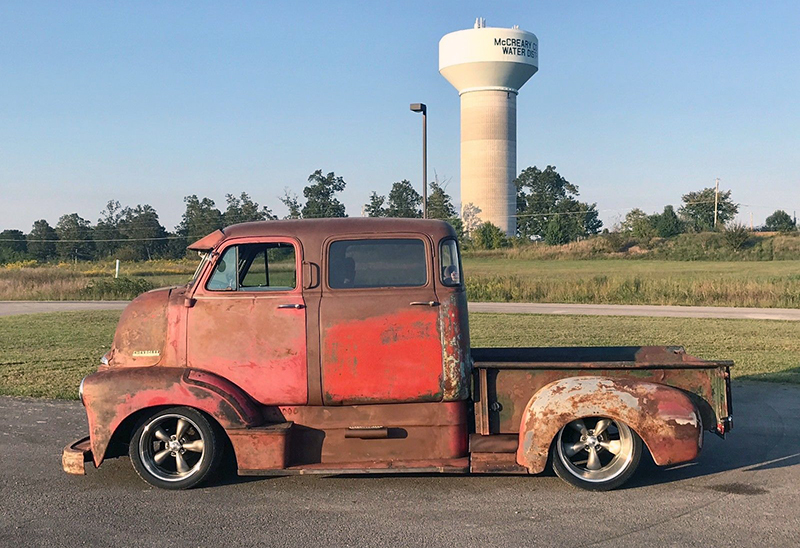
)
(548, 209)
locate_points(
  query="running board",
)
(440, 466)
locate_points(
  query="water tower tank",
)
(488, 66)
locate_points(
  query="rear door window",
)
(377, 263)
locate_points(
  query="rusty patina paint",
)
(435, 430)
(456, 358)
(246, 337)
(665, 418)
(513, 388)
(112, 395)
(262, 448)
(141, 333)
(387, 358)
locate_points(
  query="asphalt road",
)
(12, 308)
(641, 310)
(743, 491)
(8, 308)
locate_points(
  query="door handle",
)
(294, 306)
(367, 433)
(424, 303)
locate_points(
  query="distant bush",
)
(736, 236)
(115, 288)
(729, 245)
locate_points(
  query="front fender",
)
(114, 394)
(664, 417)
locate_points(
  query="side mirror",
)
(310, 275)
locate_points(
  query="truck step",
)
(262, 447)
(440, 466)
(493, 443)
(495, 463)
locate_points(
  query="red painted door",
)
(380, 338)
(248, 322)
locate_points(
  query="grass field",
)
(46, 355)
(498, 278)
(628, 281)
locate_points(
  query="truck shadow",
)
(765, 437)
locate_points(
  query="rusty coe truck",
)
(342, 346)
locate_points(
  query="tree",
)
(320, 196)
(243, 210)
(141, 226)
(489, 236)
(470, 218)
(698, 209)
(74, 238)
(639, 224)
(404, 201)
(13, 245)
(292, 204)
(440, 206)
(200, 218)
(780, 221)
(42, 241)
(375, 207)
(544, 195)
(557, 231)
(106, 232)
(668, 224)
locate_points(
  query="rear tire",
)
(177, 448)
(596, 453)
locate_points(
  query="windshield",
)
(203, 260)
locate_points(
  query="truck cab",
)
(342, 345)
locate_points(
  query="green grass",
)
(626, 281)
(762, 349)
(46, 355)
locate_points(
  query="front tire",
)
(176, 448)
(596, 453)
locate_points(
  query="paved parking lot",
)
(743, 491)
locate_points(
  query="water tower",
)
(488, 66)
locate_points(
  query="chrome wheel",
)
(596, 453)
(171, 447)
(174, 449)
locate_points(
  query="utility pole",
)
(716, 203)
(751, 221)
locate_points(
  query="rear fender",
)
(112, 395)
(664, 417)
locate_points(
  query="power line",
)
(104, 240)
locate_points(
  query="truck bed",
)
(506, 378)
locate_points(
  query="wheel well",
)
(118, 446)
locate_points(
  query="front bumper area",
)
(76, 455)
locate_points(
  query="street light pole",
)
(420, 107)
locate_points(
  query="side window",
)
(450, 263)
(377, 263)
(255, 267)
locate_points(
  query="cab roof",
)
(323, 228)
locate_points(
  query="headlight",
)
(80, 391)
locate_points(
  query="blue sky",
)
(635, 102)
